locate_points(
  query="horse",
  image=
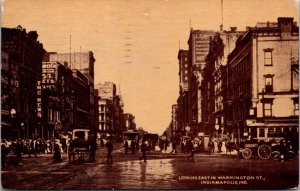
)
(231, 146)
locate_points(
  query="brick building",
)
(263, 82)
(22, 55)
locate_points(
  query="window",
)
(268, 57)
(267, 109)
(269, 83)
(296, 109)
(261, 132)
(279, 132)
(271, 132)
(253, 132)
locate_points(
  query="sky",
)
(136, 42)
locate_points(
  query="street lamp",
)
(187, 129)
(13, 114)
(23, 128)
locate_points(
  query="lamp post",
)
(23, 129)
(13, 114)
(187, 130)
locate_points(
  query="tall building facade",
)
(21, 70)
(81, 101)
(198, 49)
(214, 83)
(263, 82)
(183, 99)
(84, 63)
(56, 100)
(111, 109)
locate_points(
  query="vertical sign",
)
(49, 75)
(39, 98)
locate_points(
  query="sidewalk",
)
(40, 159)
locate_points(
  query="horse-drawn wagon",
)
(79, 144)
(262, 150)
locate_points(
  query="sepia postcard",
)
(149, 95)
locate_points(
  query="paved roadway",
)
(167, 171)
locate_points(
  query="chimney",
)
(233, 29)
(33, 35)
(66, 64)
(285, 26)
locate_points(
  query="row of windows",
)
(267, 109)
(238, 72)
(274, 132)
(103, 127)
(53, 115)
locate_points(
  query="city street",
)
(162, 171)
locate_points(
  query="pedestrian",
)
(143, 150)
(48, 147)
(283, 149)
(166, 145)
(189, 145)
(220, 146)
(132, 146)
(57, 154)
(3, 154)
(18, 150)
(173, 147)
(161, 145)
(29, 148)
(192, 150)
(110, 148)
(34, 147)
(211, 146)
(126, 146)
(93, 148)
(101, 142)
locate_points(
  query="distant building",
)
(110, 110)
(198, 49)
(84, 63)
(129, 122)
(183, 99)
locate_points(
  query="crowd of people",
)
(34, 147)
(31, 147)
